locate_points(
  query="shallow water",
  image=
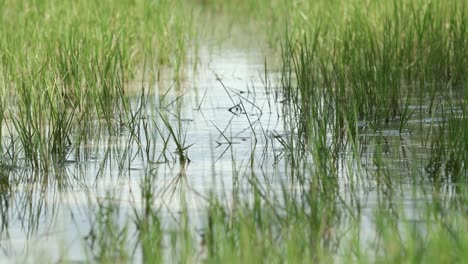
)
(232, 118)
(51, 215)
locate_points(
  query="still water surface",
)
(233, 119)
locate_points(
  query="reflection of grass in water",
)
(341, 66)
(313, 222)
(366, 68)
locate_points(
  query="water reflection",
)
(237, 131)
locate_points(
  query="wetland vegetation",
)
(209, 131)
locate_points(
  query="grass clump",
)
(66, 65)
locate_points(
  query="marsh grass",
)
(370, 68)
(67, 65)
(358, 79)
(179, 137)
(365, 63)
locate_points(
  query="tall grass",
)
(65, 65)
